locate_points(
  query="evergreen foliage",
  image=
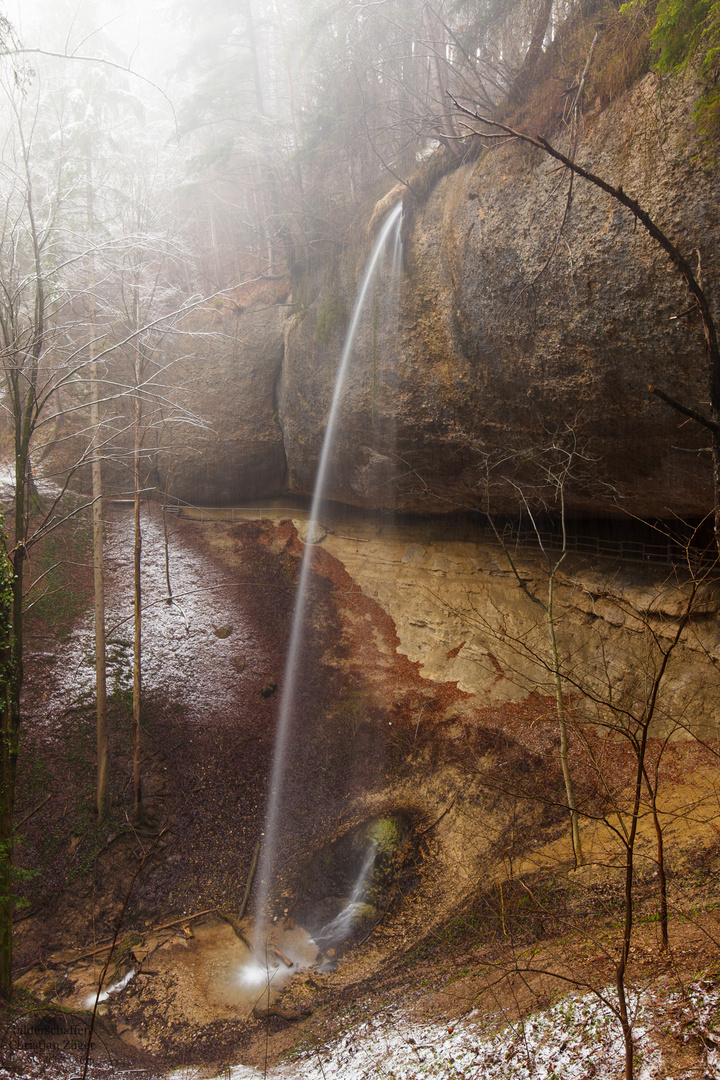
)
(681, 29)
(688, 32)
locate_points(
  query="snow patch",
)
(576, 1038)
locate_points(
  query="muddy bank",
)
(378, 731)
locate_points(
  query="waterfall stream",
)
(388, 240)
(338, 929)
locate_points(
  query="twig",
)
(446, 811)
(32, 812)
(103, 973)
(696, 416)
(250, 880)
(152, 930)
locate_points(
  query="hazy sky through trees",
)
(142, 34)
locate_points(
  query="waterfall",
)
(337, 930)
(391, 228)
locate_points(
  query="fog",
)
(141, 35)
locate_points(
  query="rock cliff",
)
(522, 312)
(459, 612)
(227, 381)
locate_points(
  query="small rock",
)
(310, 532)
(222, 631)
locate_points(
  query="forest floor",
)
(467, 964)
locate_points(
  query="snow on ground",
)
(173, 634)
(577, 1039)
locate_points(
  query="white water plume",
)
(391, 228)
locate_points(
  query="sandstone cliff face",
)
(459, 612)
(228, 382)
(512, 327)
(520, 315)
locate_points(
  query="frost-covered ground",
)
(174, 635)
(61, 1066)
(578, 1039)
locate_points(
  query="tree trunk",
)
(662, 879)
(6, 843)
(527, 70)
(8, 763)
(562, 724)
(139, 814)
(445, 127)
(11, 616)
(252, 41)
(103, 769)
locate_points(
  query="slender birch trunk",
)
(562, 725)
(140, 816)
(103, 768)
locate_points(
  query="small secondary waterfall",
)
(337, 930)
(390, 233)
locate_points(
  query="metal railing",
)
(354, 525)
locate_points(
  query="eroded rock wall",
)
(526, 311)
(460, 611)
(226, 369)
(522, 313)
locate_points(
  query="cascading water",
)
(390, 233)
(338, 929)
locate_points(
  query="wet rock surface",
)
(516, 321)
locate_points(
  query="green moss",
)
(332, 319)
(386, 834)
(685, 33)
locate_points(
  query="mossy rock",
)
(386, 834)
(331, 321)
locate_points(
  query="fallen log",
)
(281, 955)
(150, 930)
(232, 921)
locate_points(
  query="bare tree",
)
(621, 700)
(554, 465)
